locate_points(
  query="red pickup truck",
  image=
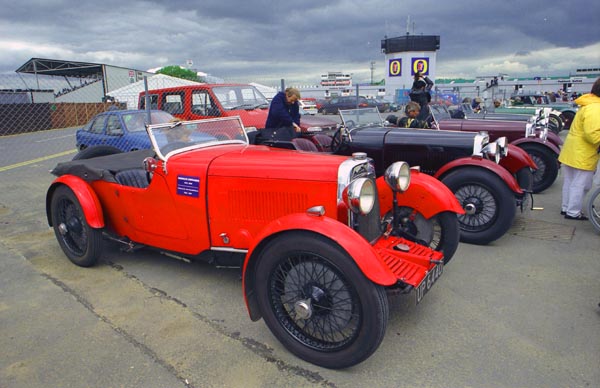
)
(204, 101)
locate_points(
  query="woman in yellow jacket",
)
(579, 154)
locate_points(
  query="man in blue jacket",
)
(284, 111)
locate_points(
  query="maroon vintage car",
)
(534, 137)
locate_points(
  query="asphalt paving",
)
(520, 312)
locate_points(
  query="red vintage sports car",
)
(312, 232)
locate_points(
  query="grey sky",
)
(263, 41)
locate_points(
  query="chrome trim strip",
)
(229, 250)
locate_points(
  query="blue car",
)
(123, 129)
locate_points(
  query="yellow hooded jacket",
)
(581, 145)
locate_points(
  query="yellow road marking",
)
(27, 162)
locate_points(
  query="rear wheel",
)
(318, 303)
(489, 204)
(594, 209)
(81, 243)
(547, 166)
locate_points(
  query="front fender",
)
(473, 161)
(363, 254)
(425, 194)
(86, 196)
(548, 144)
(517, 158)
(554, 139)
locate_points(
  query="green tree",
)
(179, 72)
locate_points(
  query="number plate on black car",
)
(431, 277)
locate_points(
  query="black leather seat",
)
(134, 177)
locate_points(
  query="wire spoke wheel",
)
(480, 207)
(314, 302)
(317, 302)
(81, 243)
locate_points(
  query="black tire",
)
(440, 232)
(593, 210)
(81, 243)
(347, 314)
(95, 151)
(567, 118)
(489, 204)
(555, 123)
(524, 178)
(547, 163)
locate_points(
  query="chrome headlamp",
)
(492, 152)
(360, 195)
(397, 176)
(480, 142)
(502, 146)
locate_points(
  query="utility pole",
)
(372, 69)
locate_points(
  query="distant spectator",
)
(421, 93)
(476, 104)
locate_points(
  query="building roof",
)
(60, 68)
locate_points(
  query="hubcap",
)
(470, 208)
(62, 229)
(303, 309)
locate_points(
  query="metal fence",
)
(53, 107)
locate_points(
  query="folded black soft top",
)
(102, 167)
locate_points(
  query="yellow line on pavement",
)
(25, 163)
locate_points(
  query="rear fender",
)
(363, 254)
(517, 157)
(548, 143)
(86, 196)
(425, 194)
(473, 161)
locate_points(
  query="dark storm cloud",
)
(300, 40)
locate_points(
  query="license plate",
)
(428, 281)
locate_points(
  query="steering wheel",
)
(339, 140)
(350, 123)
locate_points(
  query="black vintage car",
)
(489, 181)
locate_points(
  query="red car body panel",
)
(425, 195)
(87, 198)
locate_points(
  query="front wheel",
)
(594, 209)
(547, 166)
(318, 303)
(489, 204)
(80, 242)
(440, 232)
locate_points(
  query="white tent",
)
(130, 93)
(267, 91)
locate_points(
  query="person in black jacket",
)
(420, 93)
(284, 110)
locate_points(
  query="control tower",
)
(404, 56)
